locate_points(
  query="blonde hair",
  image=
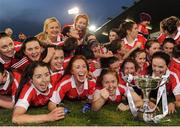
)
(43, 35)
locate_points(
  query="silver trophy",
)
(146, 84)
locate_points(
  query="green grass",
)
(108, 116)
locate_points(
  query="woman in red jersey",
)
(74, 84)
(35, 89)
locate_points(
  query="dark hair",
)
(27, 75)
(56, 47)
(176, 51)
(73, 59)
(1, 68)
(136, 52)
(92, 43)
(116, 30)
(124, 27)
(3, 34)
(145, 16)
(150, 42)
(106, 62)
(65, 30)
(170, 24)
(88, 35)
(70, 44)
(130, 61)
(162, 55)
(104, 72)
(114, 46)
(20, 53)
(85, 51)
(169, 40)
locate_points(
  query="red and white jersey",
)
(121, 80)
(31, 96)
(163, 36)
(17, 45)
(11, 84)
(175, 63)
(120, 91)
(173, 85)
(67, 87)
(140, 39)
(97, 73)
(56, 76)
(66, 61)
(8, 64)
(142, 29)
(59, 40)
(143, 71)
(92, 68)
(21, 64)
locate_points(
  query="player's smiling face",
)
(79, 70)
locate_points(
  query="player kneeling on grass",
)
(35, 89)
(109, 89)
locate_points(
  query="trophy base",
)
(146, 116)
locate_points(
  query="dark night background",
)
(28, 15)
